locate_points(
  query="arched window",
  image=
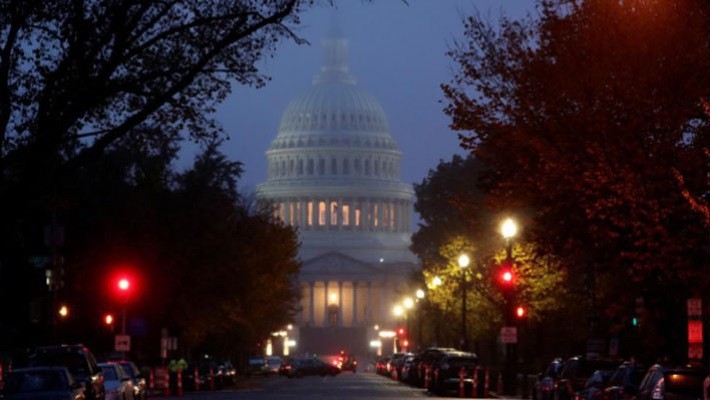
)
(358, 167)
(346, 167)
(300, 167)
(310, 166)
(321, 166)
(333, 166)
(377, 167)
(367, 167)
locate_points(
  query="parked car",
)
(140, 385)
(544, 387)
(683, 383)
(428, 358)
(447, 368)
(575, 373)
(593, 389)
(649, 382)
(395, 364)
(311, 366)
(257, 366)
(273, 364)
(409, 369)
(119, 385)
(78, 360)
(46, 383)
(625, 381)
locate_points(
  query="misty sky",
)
(396, 52)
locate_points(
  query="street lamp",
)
(463, 261)
(508, 229)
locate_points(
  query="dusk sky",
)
(396, 53)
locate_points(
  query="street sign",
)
(509, 334)
(123, 343)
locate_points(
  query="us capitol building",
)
(333, 172)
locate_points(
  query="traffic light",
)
(506, 276)
(402, 332)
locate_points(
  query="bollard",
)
(166, 383)
(2, 377)
(211, 379)
(196, 379)
(179, 383)
(487, 384)
(474, 391)
(462, 382)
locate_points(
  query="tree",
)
(71, 71)
(456, 220)
(592, 116)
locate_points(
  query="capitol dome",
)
(334, 169)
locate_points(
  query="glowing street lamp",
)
(63, 311)
(463, 262)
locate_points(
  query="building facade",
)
(333, 172)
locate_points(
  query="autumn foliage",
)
(593, 117)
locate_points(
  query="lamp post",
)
(420, 337)
(508, 229)
(463, 261)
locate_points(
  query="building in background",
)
(334, 173)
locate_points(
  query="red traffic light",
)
(506, 276)
(401, 332)
(520, 311)
(124, 284)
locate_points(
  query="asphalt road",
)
(368, 386)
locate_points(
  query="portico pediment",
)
(334, 264)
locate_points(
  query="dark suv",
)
(446, 371)
(78, 360)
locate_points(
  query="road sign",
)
(509, 334)
(123, 343)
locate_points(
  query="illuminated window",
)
(297, 214)
(310, 213)
(291, 213)
(358, 216)
(321, 213)
(282, 211)
(385, 214)
(333, 213)
(375, 215)
(346, 215)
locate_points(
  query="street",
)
(344, 386)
